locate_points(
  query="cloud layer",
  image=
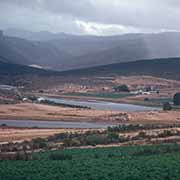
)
(98, 17)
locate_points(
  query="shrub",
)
(167, 106)
(95, 139)
(60, 156)
(96, 156)
(176, 99)
(75, 142)
(165, 133)
(43, 145)
(142, 134)
(41, 91)
(123, 88)
(112, 137)
(3, 125)
(32, 98)
(38, 140)
(146, 99)
(67, 142)
(39, 143)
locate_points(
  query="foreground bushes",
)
(133, 163)
(59, 156)
(134, 127)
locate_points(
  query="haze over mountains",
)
(65, 51)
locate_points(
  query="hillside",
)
(156, 67)
(15, 74)
(10, 69)
(167, 68)
(20, 75)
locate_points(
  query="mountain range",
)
(66, 51)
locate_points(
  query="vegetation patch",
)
(101, 95)
(135, 162)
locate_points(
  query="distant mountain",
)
(42, 54)
(10, 54)
(33, 36)
(64, 51)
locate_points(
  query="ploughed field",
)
(133, 162)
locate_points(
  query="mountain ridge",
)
(74, 52)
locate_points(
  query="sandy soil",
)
(159, 117)
(45, 112)
(15, 134)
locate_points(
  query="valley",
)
(89, 90)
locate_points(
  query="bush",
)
(67, 142)
(32, 98)
(4, 125)
(167, 106)
(176, 99)
(71, 142)
(60, 156)
(165, 133)
(41, 91)
(123, 88)
(95, 139)
(142, 134)
(112, 137)
(39, 143)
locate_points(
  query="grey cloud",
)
(137, 14)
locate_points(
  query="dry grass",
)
(46, 112)
(31, 111)
(21, 134)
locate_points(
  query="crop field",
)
(160, 100)
(101, 95)
(133, 162)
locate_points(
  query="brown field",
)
(21, 134)
(99, 84)
(32, 111)
(46, 112)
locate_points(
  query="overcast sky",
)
(96, 17)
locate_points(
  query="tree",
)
(176, 99)
(123, 88)
(167, 106)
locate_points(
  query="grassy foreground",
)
(133, 163)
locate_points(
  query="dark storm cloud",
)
(91, 16)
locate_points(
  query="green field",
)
(101, 95)
(160, 100)
(133, 163)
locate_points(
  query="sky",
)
(93, 17)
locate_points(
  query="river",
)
(104, 105)
(100, 105)
(54, 124)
